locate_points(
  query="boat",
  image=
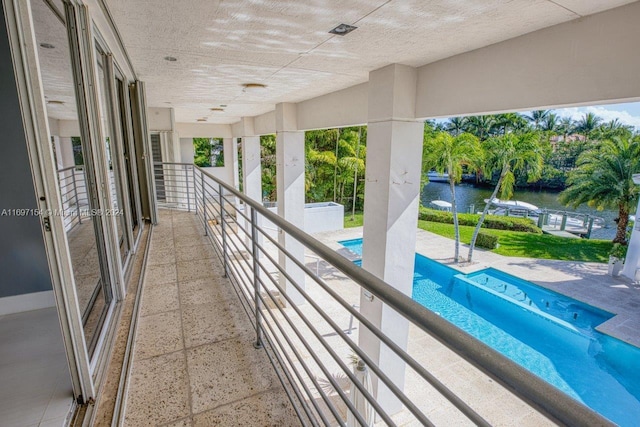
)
(514, 204)
(437, 177)
(441, 204)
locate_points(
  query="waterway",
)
(467, 195)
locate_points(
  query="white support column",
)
(232, 157)
(632, 260)
(392, 192)
(251, 171)
(251, 165)
(290, 159)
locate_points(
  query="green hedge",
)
(487, 241)
(490, 221)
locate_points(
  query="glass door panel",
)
(114, 177)
(128, 151)
(76, 174)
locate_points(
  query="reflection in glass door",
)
(129, 154)
(76, 175)
(111, 148)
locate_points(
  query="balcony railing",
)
(313, 346)
(73, 192)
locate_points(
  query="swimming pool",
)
(551, 335)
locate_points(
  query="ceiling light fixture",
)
(253, 87)
(55, 102)
(342, 29)
(170, 58)
(217, 109)
(47, 46)
(204, 119)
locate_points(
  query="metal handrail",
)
(72, 195)
(521, 382)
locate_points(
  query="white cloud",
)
(576, 113)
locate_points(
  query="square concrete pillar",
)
(392, 194)
(632, 261)
(251, 168)
(290, 169)
(251, 182)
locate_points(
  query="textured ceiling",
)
(221, 44)
(55, 63)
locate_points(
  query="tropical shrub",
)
(487, 241)
(491, 221)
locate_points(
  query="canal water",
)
(467, 195)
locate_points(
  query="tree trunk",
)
(476, 231)
(454, 211)
(623, 221)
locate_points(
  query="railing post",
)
(186, 180)
(195, 193)
(75, 194)
(256, 282)
(204, 205)
(222, 231)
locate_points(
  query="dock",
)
(548, 229)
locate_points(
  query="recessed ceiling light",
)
(170, 58)
(217, 109)
(342, 29)
(55, 102)
(47, 46)
(253, 87)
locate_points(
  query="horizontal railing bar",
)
(399, 394)
(304, 365)
(522, 382)
(315, 357)
(419, 369)
(243, 298)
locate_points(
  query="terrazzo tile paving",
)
(194, 363)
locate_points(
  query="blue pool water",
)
(551, 335)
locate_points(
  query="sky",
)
(628, 114)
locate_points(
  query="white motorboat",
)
(513, 204)
(437, 177)
(441, 204)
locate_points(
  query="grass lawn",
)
(513, 243)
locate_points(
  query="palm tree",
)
(509, 154)
(456, 125)
(481, 126)
(510, 122)
(603, 179)
(587, 125)
(614, 127)
(550, 123)
(566, 127)
(447, 154)
(537, 117)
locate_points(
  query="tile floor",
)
(194, 363)
(35, 386)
